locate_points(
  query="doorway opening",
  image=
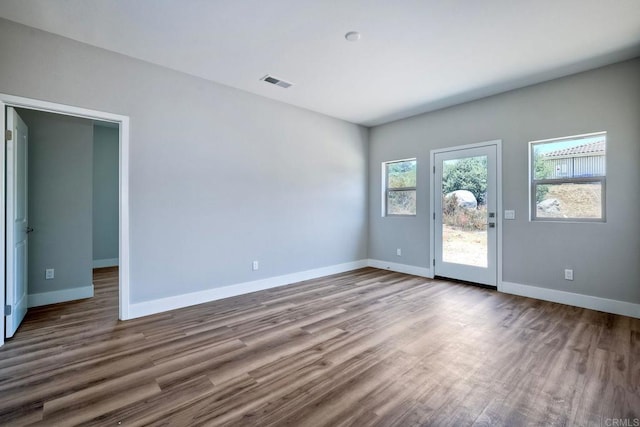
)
(465, 221)
(118, 127)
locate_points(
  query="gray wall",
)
(60, 180)
(604, 256)
(218, 177)
(105, 193)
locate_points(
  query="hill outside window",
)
(568, 178)
(400, 187)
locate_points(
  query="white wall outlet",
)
(49, 273)
(509, 214)
(255, 265)
(399, 252)
(568, 274)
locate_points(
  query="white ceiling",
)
(414, 55)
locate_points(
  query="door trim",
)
(68, 110)
(432, 188)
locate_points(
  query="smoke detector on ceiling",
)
(353, 36)
(276, 81)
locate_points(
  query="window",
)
(400, 187)
(568, 178)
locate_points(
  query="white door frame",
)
(68, 110)
(432, 223)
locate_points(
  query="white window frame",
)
(533, 183)
(386, 190)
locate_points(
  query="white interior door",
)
(465, 234)
(17, 222)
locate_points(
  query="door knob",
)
(29, 230)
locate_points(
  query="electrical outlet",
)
(568, 274)
(399, 252)
(255, 265)
(49, 273)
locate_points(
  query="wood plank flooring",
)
(365, 348)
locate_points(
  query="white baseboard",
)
(578, 300)
(179, 301)
(401, 268)
(54, 297)
(108, 262)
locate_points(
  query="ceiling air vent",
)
(276, 81)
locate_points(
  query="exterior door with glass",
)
(465, 214)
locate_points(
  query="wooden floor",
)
(368, 347)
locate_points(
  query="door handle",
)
(492, 225)
(29, 230)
